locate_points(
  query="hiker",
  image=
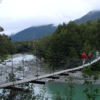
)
(84, 57)
(89, 56)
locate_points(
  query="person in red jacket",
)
(90, 56)
(84, 57)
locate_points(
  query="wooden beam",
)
(16, 88)
(73, 71)
(38, 82)
(53, 77)
(64, 74)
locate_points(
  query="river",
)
(64, 91)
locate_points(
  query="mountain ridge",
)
(90, 16)
(37, 32)
(34, 32)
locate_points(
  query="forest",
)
(66, 45)
(62, 48)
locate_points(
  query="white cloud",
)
(19, 14)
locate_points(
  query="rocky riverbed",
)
(21, 65)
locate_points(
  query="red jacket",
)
(84, 56)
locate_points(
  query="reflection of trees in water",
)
(70, 89)
(90, 92)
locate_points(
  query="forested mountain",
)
(33, 33)
(41, 31)
(91, 16)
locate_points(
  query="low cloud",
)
(19, 14)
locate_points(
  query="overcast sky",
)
(16, 15)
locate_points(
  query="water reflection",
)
(51, 91)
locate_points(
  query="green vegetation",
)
(6, 46)
(61, 49)
(65, 46)
(23, 47)
(90, 79)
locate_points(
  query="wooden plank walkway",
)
(17, 89)
(47, 75)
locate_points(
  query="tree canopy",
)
(6, 46)
(68, 42)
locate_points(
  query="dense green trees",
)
(6, 46)
(24, 47)
(63, 48)
(68, 42)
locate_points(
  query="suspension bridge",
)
(51, 75)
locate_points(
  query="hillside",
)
(41, 31)
(67, 45)
(33, 33)
(91, 16)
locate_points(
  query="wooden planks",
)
(53, 77)
(16, 88)
(38, 82)
(64, 74)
